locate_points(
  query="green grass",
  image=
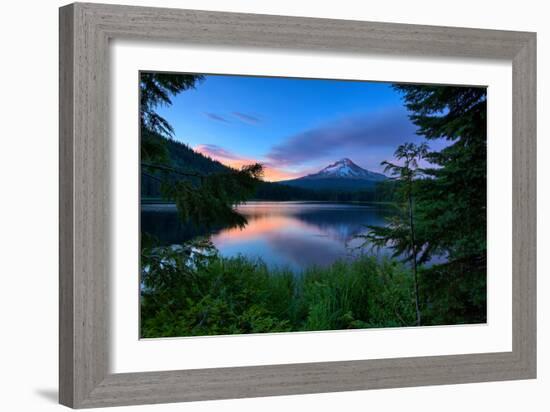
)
(237, 295)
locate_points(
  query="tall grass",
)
(239, 295)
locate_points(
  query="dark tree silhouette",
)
(453, 199)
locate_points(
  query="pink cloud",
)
(272, 173)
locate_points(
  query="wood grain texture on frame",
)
(85, 31)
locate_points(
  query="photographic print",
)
(274, 204)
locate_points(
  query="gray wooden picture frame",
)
(85, 31)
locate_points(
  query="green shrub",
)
(186, 294)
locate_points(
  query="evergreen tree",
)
(448, 216)
(451, 202)
(156, 89)
(453, 198)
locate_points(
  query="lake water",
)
(283, 234)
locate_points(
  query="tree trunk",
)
(413, 244)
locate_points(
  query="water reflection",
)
(283, 234)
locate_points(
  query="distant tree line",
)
(178, 156)
(183, 158)
(382, 192)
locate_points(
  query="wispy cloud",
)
(247, 118)
(240, 116)
(353, 134)
(216, 152)
(217, 117)
(235, 161)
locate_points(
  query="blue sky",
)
(292, 126)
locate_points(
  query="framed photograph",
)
(256, 205)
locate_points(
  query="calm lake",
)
(283, 234)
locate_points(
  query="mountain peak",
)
(342, 175)
(345, 168)
(342, 168)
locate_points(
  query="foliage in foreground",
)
(215, 295)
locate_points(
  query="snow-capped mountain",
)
(347, 169)
(343, 175)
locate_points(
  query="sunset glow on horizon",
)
(270, 173)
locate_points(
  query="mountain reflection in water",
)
(283, 234)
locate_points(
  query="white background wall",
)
(28, 207)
